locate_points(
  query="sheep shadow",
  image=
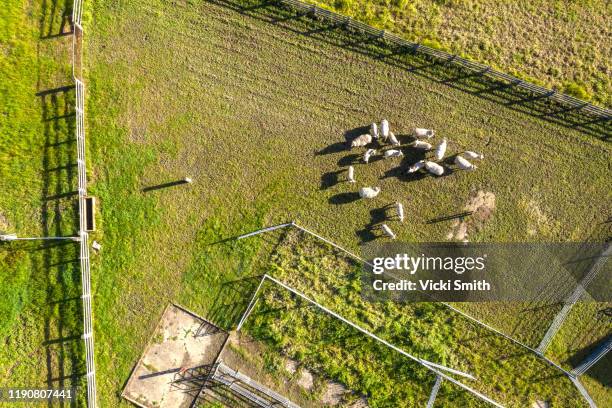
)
(372, 230)
(349, 160)
(344, 198)
(333, 148)
(330, 179)
(354, 133)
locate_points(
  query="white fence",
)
(428, 364)
(565, 100)
(433, 367)
(88, 336)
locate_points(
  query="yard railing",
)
(571, 103)
(88, 336)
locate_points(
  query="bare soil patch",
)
(182, 346)
(481, 206)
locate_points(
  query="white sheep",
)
(369, 192)
(417, 144)
(434, 168)
(388, 231)
(473, 155)
(400, 211)
(441, 149)
(416, 166)
(393, 153)
(463, 163)
(384, 128)
(420, 132)
(369, 153)
(374, 130)
(351, 174)
(362, 140)
(393, 139)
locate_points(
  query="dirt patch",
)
(182, 347)
(4, 224)
(481, 206)
(538, 222)
(336, 394)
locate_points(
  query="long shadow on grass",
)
(441, 70)
(56, 19)
(58, 263)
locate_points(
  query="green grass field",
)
(255, 112)
(41, 321)
(553, 43)
(430, 331)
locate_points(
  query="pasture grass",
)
(505, 371)
(255, 113)
(40, 305)
(556, 44)
(253, 105)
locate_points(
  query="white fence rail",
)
(568, 101)
(88, 332)
(435, 368)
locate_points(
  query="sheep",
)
(473, 155)
(362, 140)
(420, 132)
(393, 153)
(369, 192)
(374, 130)
(351, 174)
(417, 144)
(388, 231)
(384, 128)
(393, 139)
(416, 166)
(463, 163)
(369, 153)
(400, 211)
(434, 168)
(441, 149)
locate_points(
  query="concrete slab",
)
(171, 370)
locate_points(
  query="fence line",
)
(88, 332)
(583, 392)
(592, 359)
(475, 67)
(234, 383)
(448, 305)
(435, 368)
(434, 392)
(573, 298)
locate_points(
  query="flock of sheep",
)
(385, 135)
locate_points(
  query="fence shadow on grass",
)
(57, 263)
(232, 300)
(56, 19)
(438, 69)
